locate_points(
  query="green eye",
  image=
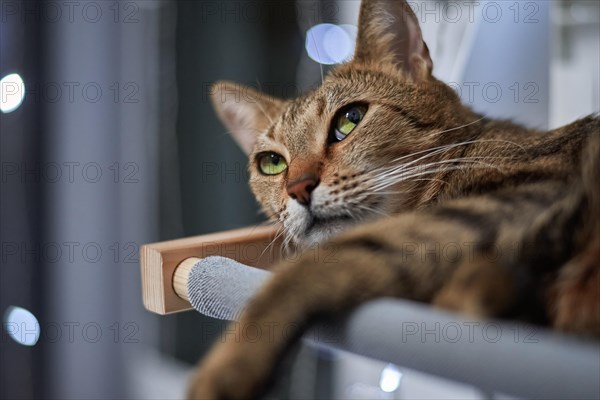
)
(271, 163)
(348, 120)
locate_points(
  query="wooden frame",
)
(166, 265)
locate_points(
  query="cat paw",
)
(227, 373)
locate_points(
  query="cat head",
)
(355, 148)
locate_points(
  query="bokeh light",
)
(331, 44)
(21, 325)
(12, 92)
(390, 378)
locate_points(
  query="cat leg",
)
(577, 290)
(479, 287)
(576, 305)
(399, 257)
(240, 363)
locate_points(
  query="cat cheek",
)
(298, 214)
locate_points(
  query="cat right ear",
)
(389, 32)
(244, 111)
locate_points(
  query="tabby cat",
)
(386, 149)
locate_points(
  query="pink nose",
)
(301, 189)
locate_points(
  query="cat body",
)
(385, 164)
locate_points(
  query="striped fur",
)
(426, 200)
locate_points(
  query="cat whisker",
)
(431, 180)
(286, 243)
(405, 176)
(444, 148)
(403, 167)
(415, 180)
(372, 210)
(261, 108)
(461, 127)
(280, 231)
(378, 192)
(402, 171)
(432, 151)
(317, 50)
(410, 177)
(440, 149)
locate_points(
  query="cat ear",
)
(244, 111)
(388, 31)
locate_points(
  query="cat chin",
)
(316, 235)
(310, 229)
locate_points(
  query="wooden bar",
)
(251, 246)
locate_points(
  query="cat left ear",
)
(244, 111)
(388, 31)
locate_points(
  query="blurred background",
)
(108, 141)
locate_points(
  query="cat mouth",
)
(320, 228)
(328, 222)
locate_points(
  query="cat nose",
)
(300, 189)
